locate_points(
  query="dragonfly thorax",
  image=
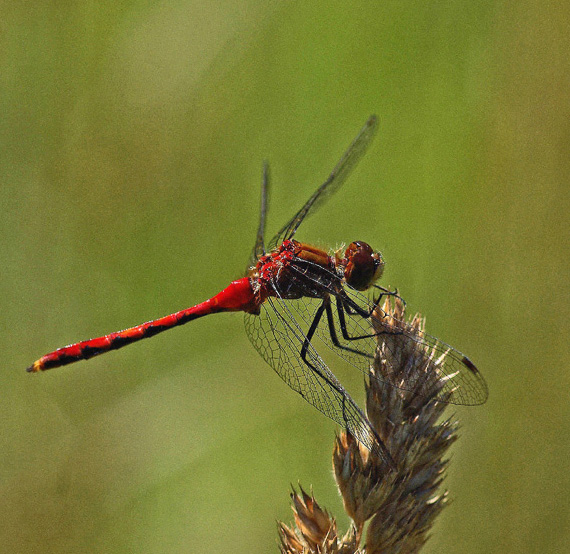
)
(361, 265)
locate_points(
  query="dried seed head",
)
(316, 531)
(399, 505)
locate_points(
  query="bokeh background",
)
(132, 139)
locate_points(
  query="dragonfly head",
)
(362, 266)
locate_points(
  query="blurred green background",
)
(132, 139)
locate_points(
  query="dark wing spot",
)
(470, 365)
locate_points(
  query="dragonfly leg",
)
(345, 303)
(332, 330)
(380, 448)
(386, 292)
(341, 306)
(353, 308)
(304, 350)
(307, 342)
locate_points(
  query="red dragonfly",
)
(297, 297)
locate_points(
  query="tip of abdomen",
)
(35, 367)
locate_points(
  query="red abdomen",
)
(238, 296)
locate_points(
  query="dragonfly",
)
(300, 300)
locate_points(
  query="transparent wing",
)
(334, 181)
(456, 381)
(279, 339)
(259, 246)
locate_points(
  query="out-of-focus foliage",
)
(132, 138)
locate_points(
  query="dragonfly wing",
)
(455, 379)
(334, 181)
(259, 247)
(452, 378)
(279, 339)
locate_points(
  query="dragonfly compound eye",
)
(363, 266)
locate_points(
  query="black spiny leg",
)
(305, 348)
(332, 330)
(326, 305)
(354, 309)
